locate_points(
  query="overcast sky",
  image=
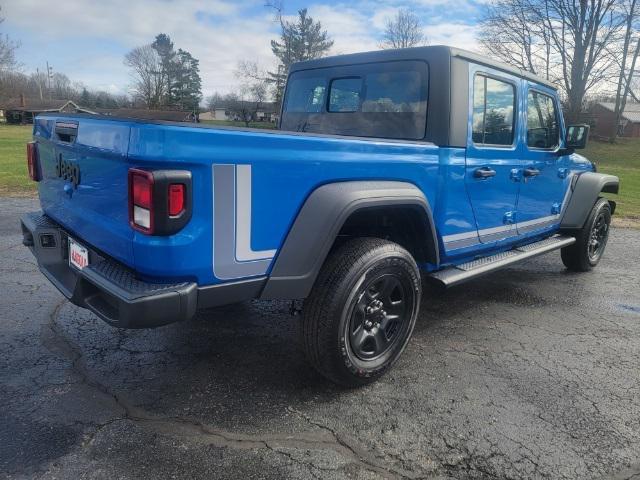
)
(87, 39)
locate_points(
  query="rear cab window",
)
(345, 94)
(386, 100)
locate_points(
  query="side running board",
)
(461, 273)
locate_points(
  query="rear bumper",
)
(112, 291)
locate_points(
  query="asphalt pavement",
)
(531, 372)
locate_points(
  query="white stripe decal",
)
(536, 221)
(244, 253)
(459, 236)
(232, 253)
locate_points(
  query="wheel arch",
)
(586, 190)
(336, 209)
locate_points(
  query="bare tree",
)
(213, 100)
(239, 107)
(7, 51)
(146, 70)
(254, 88)
(632, 12)
(577, 34)
(403, 31)
(510, 32)
(633, 79)
(34, 85)
(61, 86)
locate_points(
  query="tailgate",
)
(84, 180)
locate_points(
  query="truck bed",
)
(283, 169)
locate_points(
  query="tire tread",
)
(575, 257)
(320, 307)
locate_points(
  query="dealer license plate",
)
(78, 255)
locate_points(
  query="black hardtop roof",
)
(435, 53)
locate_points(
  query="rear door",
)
(545, 179)
(493, 152)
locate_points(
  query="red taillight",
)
(159, 200)
(141, 200)
(142, 190)
(176, 199)
(32, 161)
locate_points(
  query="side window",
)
(493, 111)
(542, 121)
(344, 95)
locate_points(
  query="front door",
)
(493, 153)
(544, 176)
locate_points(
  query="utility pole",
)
(49, 77)
(39, 82)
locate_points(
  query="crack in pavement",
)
(548, 393)
(631, 473)
(54, 339)
(355, 451)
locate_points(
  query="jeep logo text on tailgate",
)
(68, 170)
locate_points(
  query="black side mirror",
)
(577, 136)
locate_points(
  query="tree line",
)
(58, 86)
(46, 86)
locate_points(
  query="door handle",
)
(531, 172)
(484, 172)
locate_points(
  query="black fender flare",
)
(585, 192)
(319, 221)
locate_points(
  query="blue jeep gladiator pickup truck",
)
(389, 168)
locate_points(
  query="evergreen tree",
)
(186, 90)
(85, 98)
(301, 40)
(164, 46)
(179, 74)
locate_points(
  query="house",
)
(23, 110)
(268, 113)
(207, 116)
(604, 120)
(225, 110)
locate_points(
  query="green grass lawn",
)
(14, 178)
(621, 159)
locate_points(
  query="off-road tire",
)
(342, 304)
(581, 256)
